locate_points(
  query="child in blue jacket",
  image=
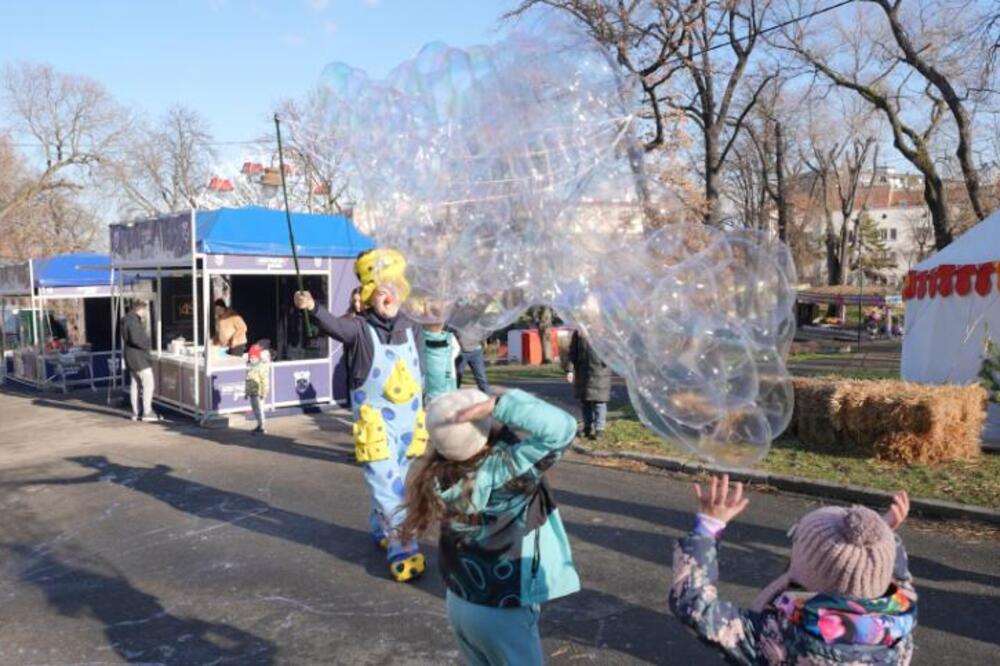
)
(503, 547)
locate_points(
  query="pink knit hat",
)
(848, 552)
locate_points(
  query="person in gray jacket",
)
(138, 360)
(471, 355)
(591, 380)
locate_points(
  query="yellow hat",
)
(379, 268)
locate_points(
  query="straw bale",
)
(889, 419)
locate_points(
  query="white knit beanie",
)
(457, 441)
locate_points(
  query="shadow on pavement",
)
(344, 543)
(596, 620)
(137, 626)
(938, 607)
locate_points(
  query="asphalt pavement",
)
(167, 543)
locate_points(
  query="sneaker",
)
(407, 568)
(259, 430)
(134, 418)
(150, 419)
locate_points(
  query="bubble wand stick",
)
(288, 218)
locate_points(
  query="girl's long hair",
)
(436, 473)
(433, 474)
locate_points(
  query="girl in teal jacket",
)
(503, 547)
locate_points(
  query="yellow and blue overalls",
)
(389, 431)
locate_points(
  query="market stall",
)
(875, 306)
(56, 319)
(241, 257)
(952, 306)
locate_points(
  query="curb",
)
(926, 508)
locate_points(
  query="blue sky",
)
(231, 59)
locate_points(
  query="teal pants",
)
(489, 636)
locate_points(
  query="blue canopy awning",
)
(248, 231)
(82, 269)
(264, 232)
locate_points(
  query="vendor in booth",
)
(230, 329)
(382, 349)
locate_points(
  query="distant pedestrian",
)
(471, 355)
(258, 378)
(847, 597)
(591, 380)
(356, 308)
(439, 352)
(139, 361)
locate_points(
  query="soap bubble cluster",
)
(513, 175)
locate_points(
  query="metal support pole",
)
(194, 307)
(159, 312)
(206, 293)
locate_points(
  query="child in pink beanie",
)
(847, 597)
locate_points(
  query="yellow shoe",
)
(383, 543)
(407, 569)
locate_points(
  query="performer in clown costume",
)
(389, 424)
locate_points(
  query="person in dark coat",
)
(138, 360)
(591, 380)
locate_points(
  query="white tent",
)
(945, 335)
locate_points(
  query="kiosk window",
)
(178, 313)
(265, 303)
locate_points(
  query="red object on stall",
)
(947, 280)
(983, 275)
(945, 273)
(531, 346)
(963, 283)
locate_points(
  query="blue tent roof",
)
(73, 270)
(264, 231)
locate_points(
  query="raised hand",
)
(304, 301)
(898, 510)
(721, 502)
(474, 412)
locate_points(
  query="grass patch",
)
(974, 481)
(502, 373)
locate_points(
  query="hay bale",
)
(813, 416)
(889, 419)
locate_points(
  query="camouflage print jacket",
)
(797, 628)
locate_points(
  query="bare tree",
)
(857, 62)
(922, 240)
(837, 162)
(166, 167)
(745, 186)
(48, 222)
(950, 62)
(317, 150)
(692, 56)
(71, 120)
(769, 130)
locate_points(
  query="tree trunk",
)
(832, 257)
(934, 198)
(843, 247)
(779, 167)
(712, 177)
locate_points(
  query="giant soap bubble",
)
(513, 174)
